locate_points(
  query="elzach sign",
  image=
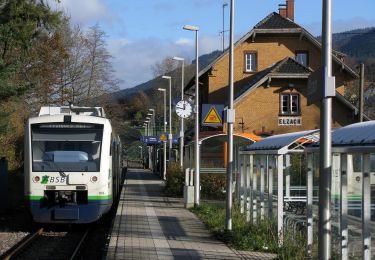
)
(290, 120)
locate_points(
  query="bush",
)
(175, 181)
(213, 186)
(261, 236)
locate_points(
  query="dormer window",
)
(302, 57)
(250, 61)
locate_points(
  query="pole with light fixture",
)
(141, 153)
(153, 120)
(230, 122)
(148, 122)
(325, 232)
(152, 130)
(170, 136)
(181, 119)
(165, 130)
(196, 144)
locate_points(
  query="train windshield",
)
(66, 147)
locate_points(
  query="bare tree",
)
(163, 67)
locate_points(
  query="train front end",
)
(67, 168)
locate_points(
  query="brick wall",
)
(261, 107)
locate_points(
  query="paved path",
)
(149, 225)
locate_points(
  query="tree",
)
(166, 66)
(22, 23)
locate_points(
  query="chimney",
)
(287, 10)
(290, 9)
(282, 10)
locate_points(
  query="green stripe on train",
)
(28, 197)
(104, 197)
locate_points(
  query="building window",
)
(303, 57)
(250, 61)
(289, 104)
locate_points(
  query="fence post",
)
(3, 184)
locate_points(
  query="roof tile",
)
(276, 21)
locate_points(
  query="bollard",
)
(3, 184)
(189, 189)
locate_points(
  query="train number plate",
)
(53, 180)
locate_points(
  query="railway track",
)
(48, 245)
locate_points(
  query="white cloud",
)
(133, 60)
(184, 41)
(84, 11)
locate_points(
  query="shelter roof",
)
(219, 134)
(285, 141)
(355, 134)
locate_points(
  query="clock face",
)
(183, 109)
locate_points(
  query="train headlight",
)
(94, 179)
(36, 179)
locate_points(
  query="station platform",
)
(149, 225)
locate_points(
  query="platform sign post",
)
(163, 138)
(325, 232)
(212, 114)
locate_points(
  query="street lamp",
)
(165, 130)
(152, 114)
(230, 121)
(141, 153)
(181, 119)
(170, 116)
(147, 127)
(152, 132)
(196, 145)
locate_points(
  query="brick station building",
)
(272, 64)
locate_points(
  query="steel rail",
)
(16, 249)
(78, 247)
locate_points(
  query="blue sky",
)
(142, 32)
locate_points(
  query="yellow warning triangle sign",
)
(163, 137)
(212, 117)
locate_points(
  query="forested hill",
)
(360, 44)
(204, 60)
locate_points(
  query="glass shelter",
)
(264, 182)
(352, 186)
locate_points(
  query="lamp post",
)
(152, 114)
(230, 122)
(152, 150)
(165, 130)
(325, 232)
(196, 145)
(181, 119)
(170, 136)
(147, 134)
(146, 127)
(141, 154)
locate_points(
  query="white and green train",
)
(72, 165)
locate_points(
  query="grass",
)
(260, 237)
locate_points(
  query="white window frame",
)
(289, 106)
(248, 61)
